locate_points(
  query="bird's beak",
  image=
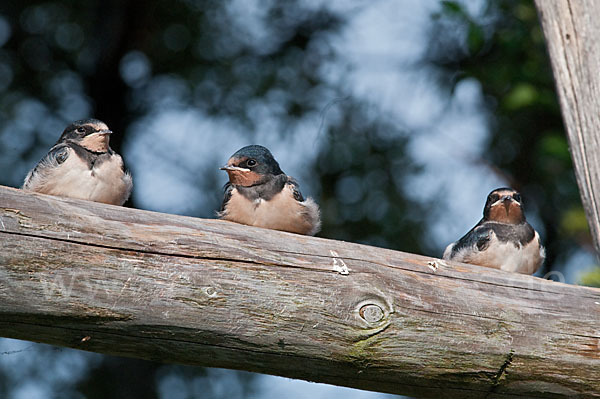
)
(231, 168)
(506, 200)
(105, 132)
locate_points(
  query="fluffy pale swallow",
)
(502, 239)
(260, 194)
(82, 165)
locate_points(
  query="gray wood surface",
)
(214, 293)
(572, 31)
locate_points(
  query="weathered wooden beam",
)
(572, 30)
(213, 293)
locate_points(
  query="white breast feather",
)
(107, 183)
(502, 255)
(282, 212)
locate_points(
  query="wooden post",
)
(213, 293)
(572, 33)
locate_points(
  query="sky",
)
(377, 52)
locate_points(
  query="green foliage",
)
(452, 8)
(574, 221)
(591, 278)
(520, 96)
(475, 38)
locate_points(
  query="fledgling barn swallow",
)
(82, 165)
(260, 194)
(502, 239)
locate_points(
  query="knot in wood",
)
(371, 313)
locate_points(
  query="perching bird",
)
(502, 239)
(260, 194)
(82, 165)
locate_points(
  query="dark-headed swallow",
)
(502, 239)
(260, 194)
(82, 165)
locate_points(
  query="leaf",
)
(520, 96)
(573, 221)
(475, 38)
(592, 278)
(452, 7)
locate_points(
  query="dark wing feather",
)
(227, 189)
(479, 237)
(482, 237)
(60, 154)
(56, 156)
(295, 189)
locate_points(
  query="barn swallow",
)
(260, 194)
(502, 239)
(82, 165)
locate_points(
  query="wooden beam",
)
(213, 293)
(572, 30)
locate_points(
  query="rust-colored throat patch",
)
(96, 142)
(506, 211)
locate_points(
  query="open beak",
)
(231, 168)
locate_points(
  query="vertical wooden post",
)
(572, 31)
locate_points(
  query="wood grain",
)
(571, 29)
(214, 293)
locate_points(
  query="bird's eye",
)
(517, 197)
(251, 163)
(80, 130)
(494, 198)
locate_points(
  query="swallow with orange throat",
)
(260, 194)
(82, 165)
(502, 239)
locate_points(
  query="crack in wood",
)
(158, 253)
(501, 373)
